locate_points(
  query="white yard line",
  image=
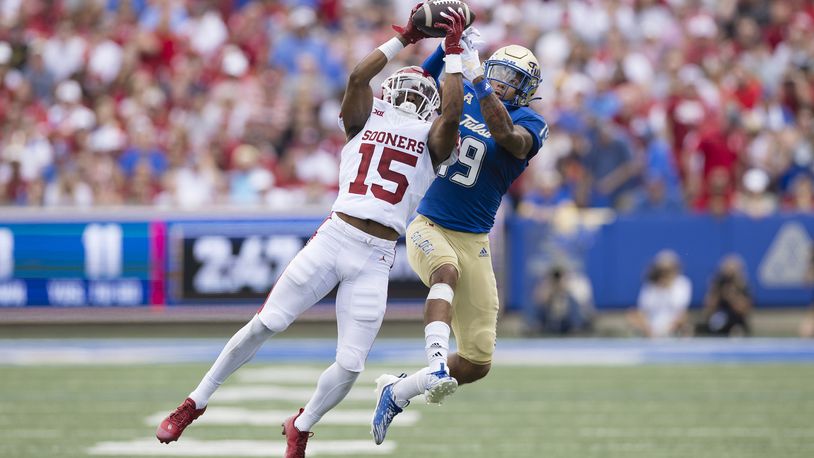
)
(237, 448)
(238, 416)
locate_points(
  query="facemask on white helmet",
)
(412, 92)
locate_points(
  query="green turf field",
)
(644, 411)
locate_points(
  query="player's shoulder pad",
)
(379, 106)
(379, 103)
(526, 117)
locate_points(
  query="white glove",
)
(472, 37)
(470, 59)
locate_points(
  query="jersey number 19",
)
(471, 156)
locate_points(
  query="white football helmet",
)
(514, 66)
(413, 91)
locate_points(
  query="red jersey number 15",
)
(388, 157)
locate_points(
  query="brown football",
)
(430, 13)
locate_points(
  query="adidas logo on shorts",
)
(483, 253)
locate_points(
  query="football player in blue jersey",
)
(448, 244)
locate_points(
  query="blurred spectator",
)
(41, 79)
(660, 162)
(105, 178)
(204, 29)
(157, 12)
(105, 57)
(753, 198)
(12, 185)
(718, 194)
(69, 115)
(564, 302)
(728, 302)
(143, 149)
(63, 53)
(547, 194)
(249, 181)
(807, 324)
(68, 190)
(801, 198)
(302, 46)
(609, 161)
(717, 154)
(141, 188)
(663, 301)
(107, 136)
(656, 199)
(193, 185)
(26, 146)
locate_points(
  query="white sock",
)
(240, 349)
(332, 387)
(436, 345)
(410, 387)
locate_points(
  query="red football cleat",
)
(295, 439)
(171, 428)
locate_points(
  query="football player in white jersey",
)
(391, 157)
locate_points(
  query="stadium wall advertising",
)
(174, 262)
(75, 264)
(121, 262)
(238, 262)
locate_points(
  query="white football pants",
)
(337, 254)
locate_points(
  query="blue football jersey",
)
(466, 195)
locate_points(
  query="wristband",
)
(454, 64)
(391, 48)
(483, 88)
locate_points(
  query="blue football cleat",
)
(386, 407)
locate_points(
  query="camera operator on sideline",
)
(728, 302)
(564, 302)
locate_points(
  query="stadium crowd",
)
(655, 105)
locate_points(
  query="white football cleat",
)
(440, 386)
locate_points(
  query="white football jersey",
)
(386, 168)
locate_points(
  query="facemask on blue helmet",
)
(513, 67)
